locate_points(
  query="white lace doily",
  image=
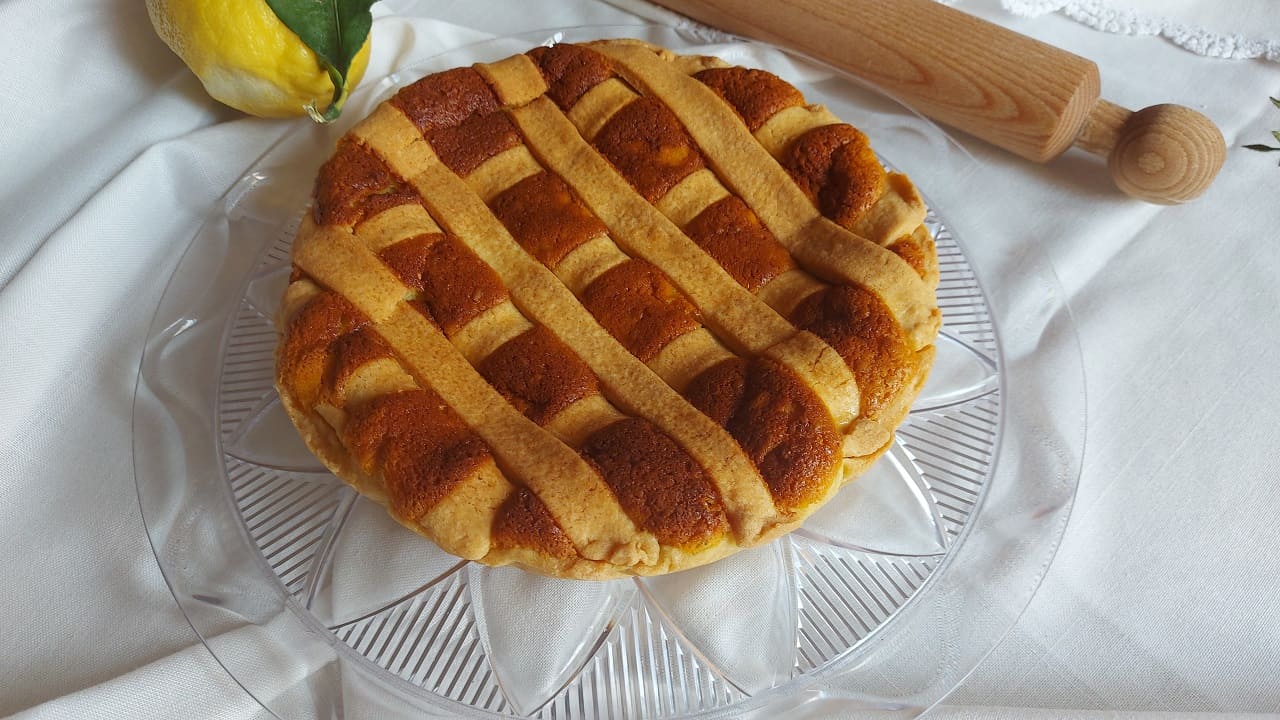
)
(1211, 29)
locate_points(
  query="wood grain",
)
(1015, 92)
(1166, 154)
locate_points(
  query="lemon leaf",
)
(335, 30)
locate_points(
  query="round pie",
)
(602, 310)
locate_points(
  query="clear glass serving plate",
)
(321, 606)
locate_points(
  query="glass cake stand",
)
(321, 606)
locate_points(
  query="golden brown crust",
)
(570, 71)
(836, 168)
(351, 353)
(920, 253)
(756, 95)
(539, 375)
(915, 255)
(354, 184)
(314, 343)
(640, 307)
(585, 422)
(453, 286)
(778, 421)
(647, 144)
(523, 522)
(856, 323)
(422, 448)
(658, 484)
(545, 217)
(446, 99)
(465, 146)
(733, 235)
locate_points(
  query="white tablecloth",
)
(1161, 599)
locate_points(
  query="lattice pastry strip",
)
(749, 325)
(817, 244)
(677, 349)
(480, 336)
(551, 247)
(753, 329)
(586, 413)
(545, 300)
(487, 427)
(489, 387)
(831, 160)
(628, 129)
(341, 264)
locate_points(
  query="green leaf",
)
(1262, 148)
(1276, 102)
(1275, 134)
(335, 30)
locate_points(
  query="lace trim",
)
(1096, 14)
(1102, 16)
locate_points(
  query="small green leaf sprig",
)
(335, 30)
(1274, 133)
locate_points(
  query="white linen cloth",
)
(1159, 601)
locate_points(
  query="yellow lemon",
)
(247, 58)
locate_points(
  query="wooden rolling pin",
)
(1020, 94)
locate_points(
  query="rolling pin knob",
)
(1165, 154)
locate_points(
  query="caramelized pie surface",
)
(603, 310)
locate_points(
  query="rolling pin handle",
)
(1165, 154)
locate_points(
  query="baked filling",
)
(603, 310)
